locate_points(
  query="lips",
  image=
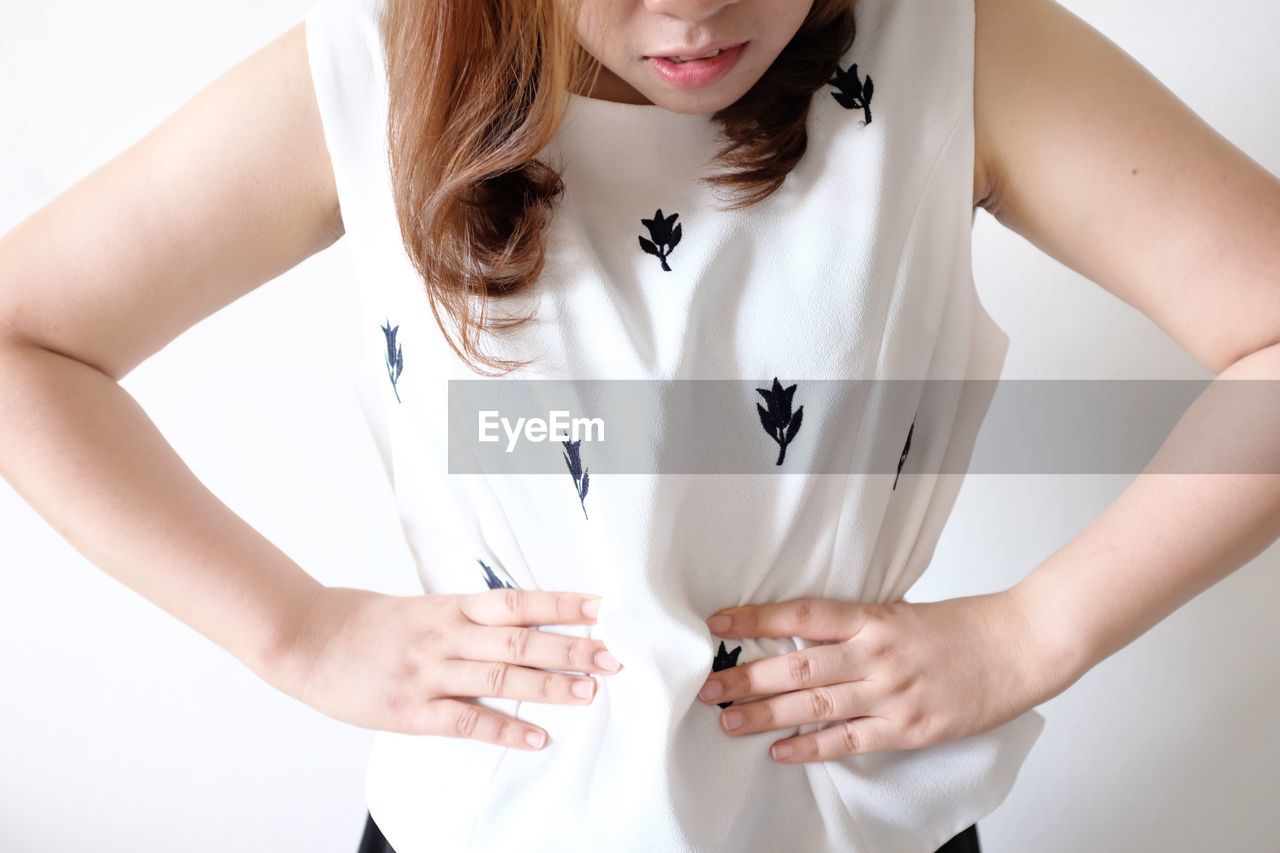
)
(695, 73)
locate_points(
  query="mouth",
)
(695, 69)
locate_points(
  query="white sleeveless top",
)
(857, 268)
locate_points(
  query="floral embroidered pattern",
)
(778, 420)
(661, 234)
(491, 578)
(394, 356)
(853, 94)
(903, 458)
(581, 477)
(723, 660)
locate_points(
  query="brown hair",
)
(478, 88)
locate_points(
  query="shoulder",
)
(348, 63)
(345, 36)
(923, 56)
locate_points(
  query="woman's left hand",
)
(898, 675)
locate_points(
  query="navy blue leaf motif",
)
(725, 659)
(394, 356)
(903, 458)
(662, 234)
(581, 477)
(853, 94)
(492, 579)
(778, 420)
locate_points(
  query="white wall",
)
(123, 730)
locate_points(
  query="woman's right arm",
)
(230, 191)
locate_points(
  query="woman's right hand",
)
(407, 663)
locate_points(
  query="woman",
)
(864, 136)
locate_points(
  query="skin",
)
(1142, 198)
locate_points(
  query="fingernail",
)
(604, 660)
(711, 690)
(591, 608)
(731, 719)
(535, 739)
(720, 623)
(583, 688)
(781, 750)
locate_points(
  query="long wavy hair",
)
(478, 88)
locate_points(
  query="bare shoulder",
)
(1088, 155)
(228, 192)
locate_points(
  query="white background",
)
(123, 730)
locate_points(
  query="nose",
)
(688, 10)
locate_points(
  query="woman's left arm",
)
(1096, 162)
(1087, 155)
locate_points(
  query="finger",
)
(460, 718)
(818, 705)
(811, 667)
(811, 618)
(528, 607)
(850, 737)
(511, 681)
(538, 649)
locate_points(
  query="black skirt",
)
(373, 842)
